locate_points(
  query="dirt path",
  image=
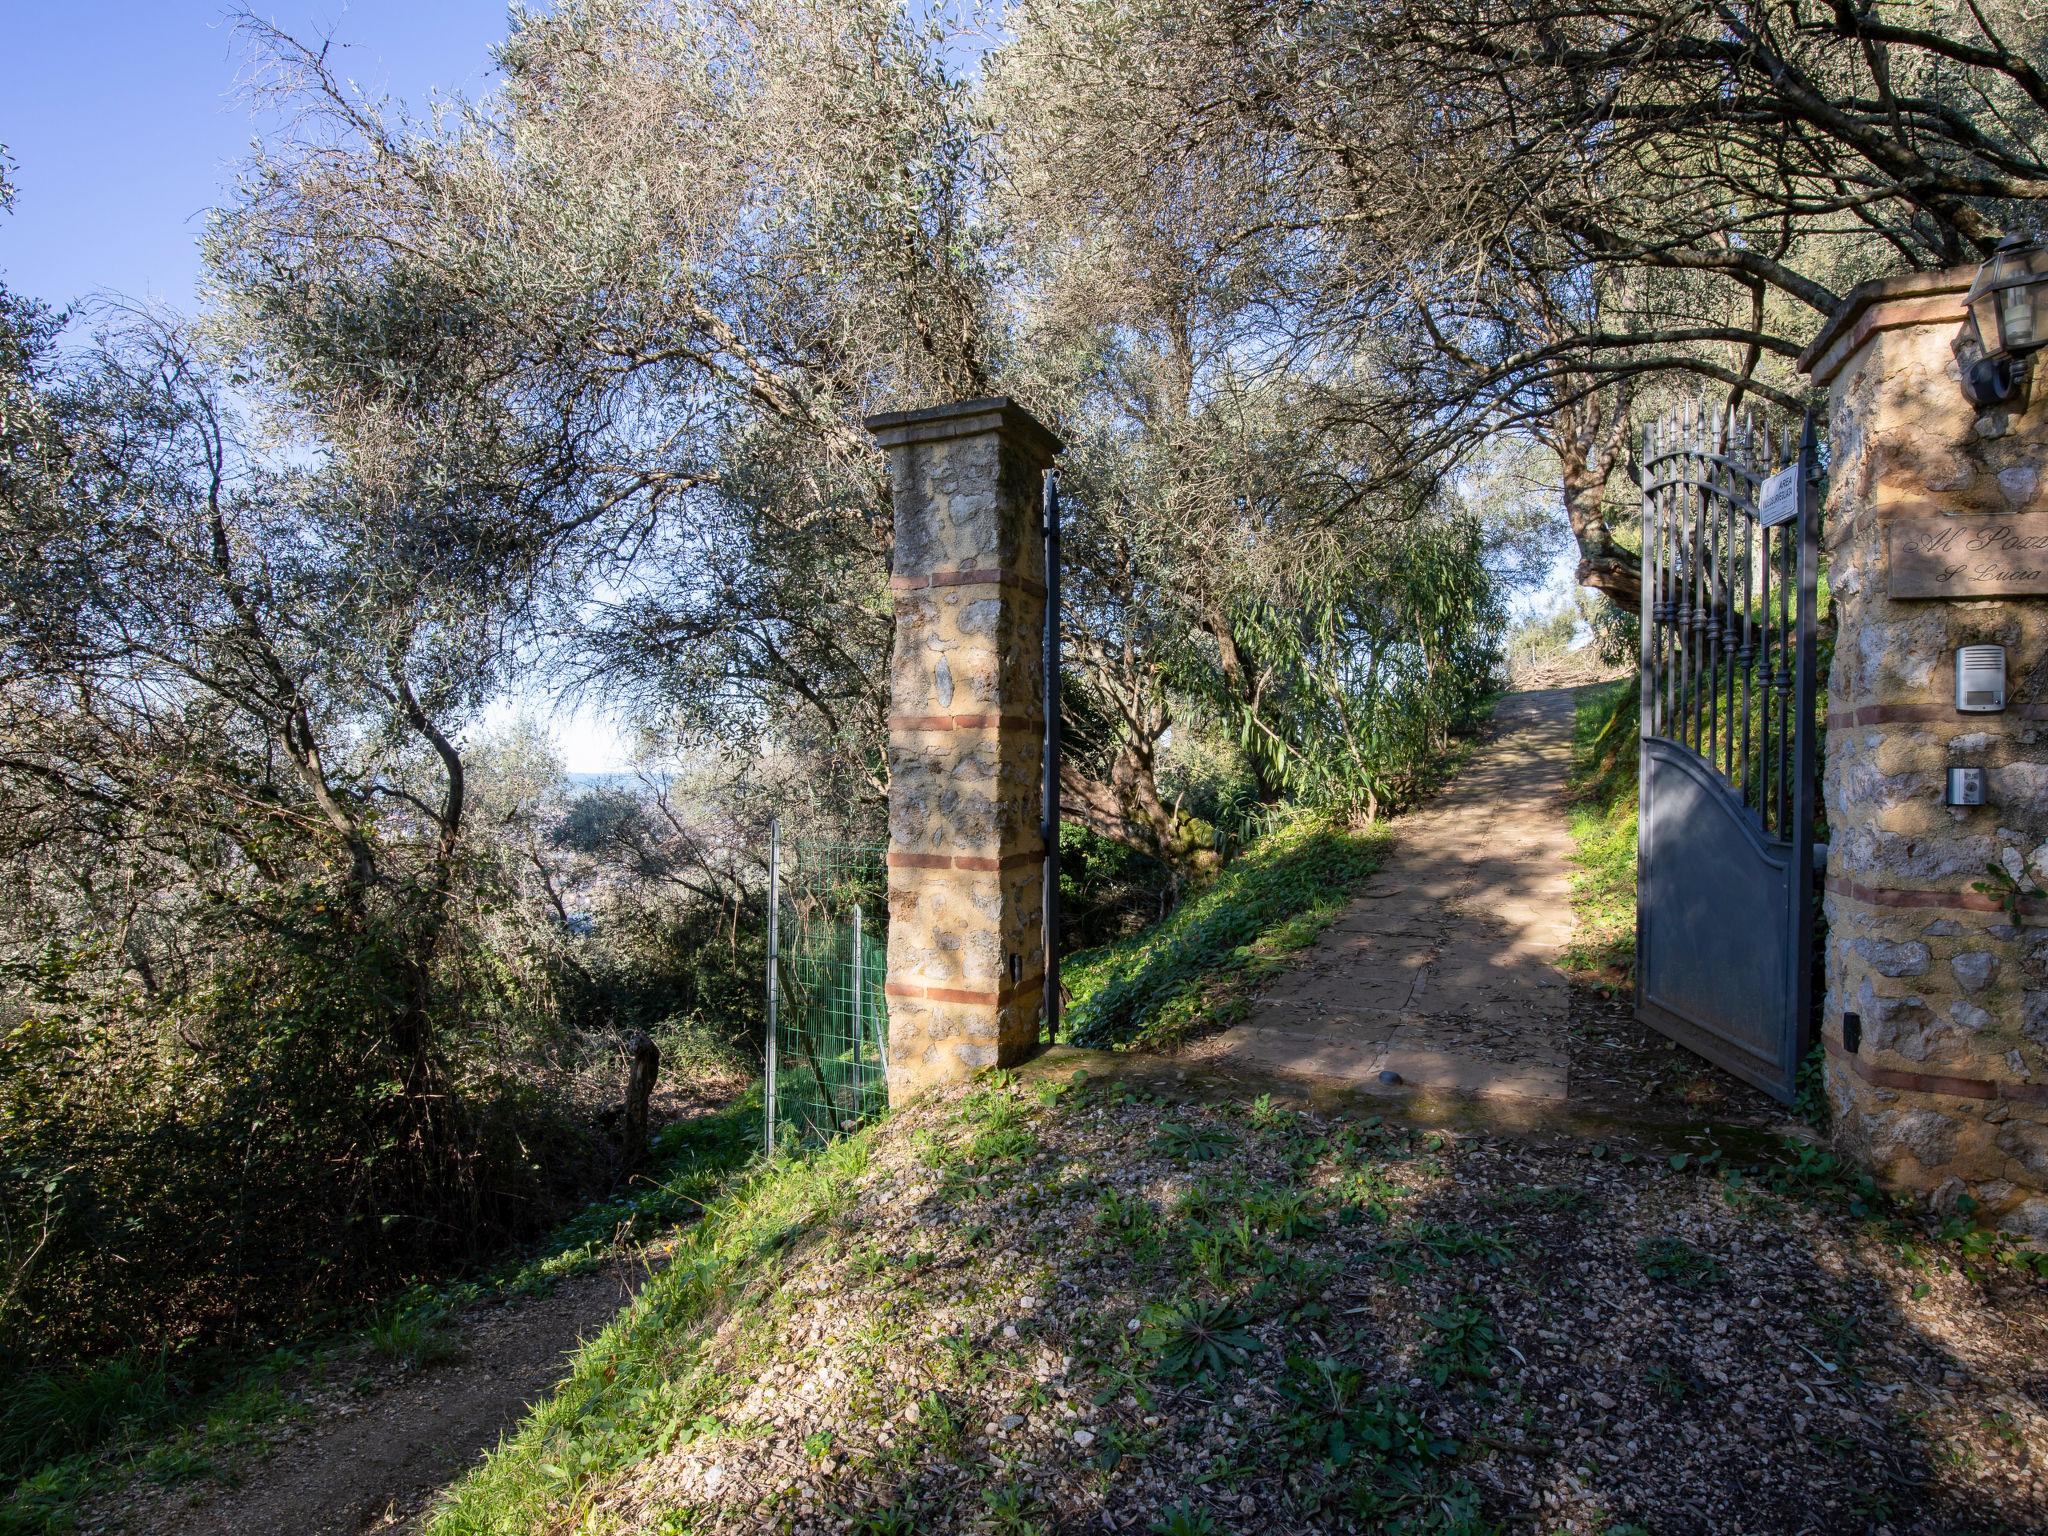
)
(374, 1463)
(1441, 976)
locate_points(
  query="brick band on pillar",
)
(966, 719)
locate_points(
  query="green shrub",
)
(250, 1154)
(1108, 890)
(690, 969)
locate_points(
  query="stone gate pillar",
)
(966, 722)
(1936, 1016)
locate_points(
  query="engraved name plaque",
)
(1976, 555)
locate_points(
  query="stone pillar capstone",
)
(1939, 1081)
(966, 722)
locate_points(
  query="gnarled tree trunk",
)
(644, 1067)
(1592, 435)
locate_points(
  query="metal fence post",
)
(1049, 820)
(860, 1014)
(774, 907)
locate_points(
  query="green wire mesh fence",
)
(827, 1021)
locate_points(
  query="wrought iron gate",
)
(1724, 880)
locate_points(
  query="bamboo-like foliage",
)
(1364, 675)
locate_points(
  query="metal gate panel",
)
(1726, 988)
(1724, 894)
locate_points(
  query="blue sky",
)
(125, 123)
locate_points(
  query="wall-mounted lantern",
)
(2007, 320)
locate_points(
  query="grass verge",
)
(68, 1437)
(640, 1385)
(1154, 989)
(1602, 787)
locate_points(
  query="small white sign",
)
(1778, 501)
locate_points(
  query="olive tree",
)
(666, 269)
(1236, 474)
(1549, 216)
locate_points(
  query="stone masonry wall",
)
(966, 723)
(1947, 1092)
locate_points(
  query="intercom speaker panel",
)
(1980, 679)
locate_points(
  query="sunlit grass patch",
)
(1156, 988)
(1603, 823)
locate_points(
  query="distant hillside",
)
(625, 781)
